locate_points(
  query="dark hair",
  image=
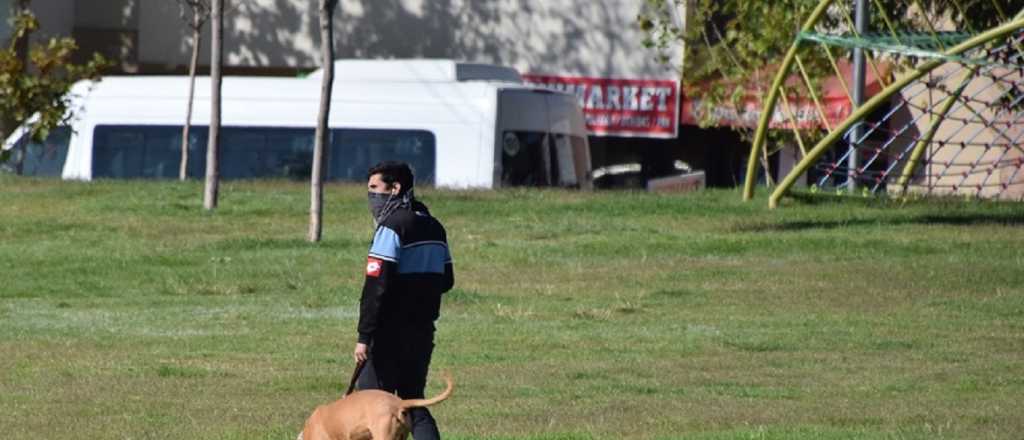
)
(393, 171)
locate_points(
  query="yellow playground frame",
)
(792, 59)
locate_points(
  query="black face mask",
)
(377, 202)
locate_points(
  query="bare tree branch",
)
(194, 13)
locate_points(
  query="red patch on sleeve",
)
(373, 267)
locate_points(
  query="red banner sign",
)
(621, 107)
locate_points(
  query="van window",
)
(541, 159)
(353, 151)
(265, 152)
(145, 151)
(154, 151)
(580, 159)
(46, 158)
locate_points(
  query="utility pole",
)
(859, 78)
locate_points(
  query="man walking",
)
(407, 270)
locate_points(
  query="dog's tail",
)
(418, 403)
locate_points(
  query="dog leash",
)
(355, 376)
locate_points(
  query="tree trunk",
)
(196, 34)
(213, 146)
(322, 131)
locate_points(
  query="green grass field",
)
(126, 312)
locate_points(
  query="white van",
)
(458, 124)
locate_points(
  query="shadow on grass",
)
(997, 219)
(239, 244)
(883, 211)
(883, 201)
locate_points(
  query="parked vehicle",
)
(459, 124)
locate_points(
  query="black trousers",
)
(399, 363)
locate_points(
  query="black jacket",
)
(407, 270)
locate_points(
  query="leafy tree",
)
(35, 79)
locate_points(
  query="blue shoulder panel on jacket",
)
(386, 244)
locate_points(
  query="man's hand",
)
(360, 353)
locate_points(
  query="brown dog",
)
(365, 415)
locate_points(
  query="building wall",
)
(598, 38)
(91, 22)
(110, 27)
(56, 19)
(107, 14)
(565, 37)
(258, 34)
